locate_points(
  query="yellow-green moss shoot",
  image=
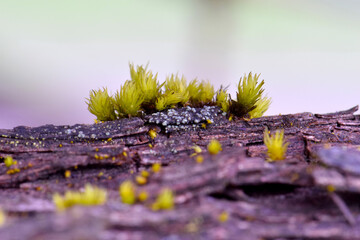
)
(165, 200)
(90, 196)
(214, 147)
(276, 145)
(101, 105)
(249, 98)
(127, 192)
(128, 100)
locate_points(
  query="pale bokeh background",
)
(53, 52)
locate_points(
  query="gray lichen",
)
(187, 118)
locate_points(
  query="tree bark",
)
(237, 194)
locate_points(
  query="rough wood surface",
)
(289, 199)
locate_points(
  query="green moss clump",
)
(144, 94)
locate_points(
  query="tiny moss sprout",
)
(145, 173)
(199, 159)
(144, 94)
(330, 188)
(90, 196)
(141, 180)
(143, 196)
(12, 165)
(101, 105)
(156, 167)
(9, 161)
(127, 192)
(13, 171)
(164, 201)
(197, 149)
(223, 217)
(214, 147)
(67, 174)
(152, 133)
(276, 145)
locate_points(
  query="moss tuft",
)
(101, 105)
(168, 100)
(156, 167)
(90, 196)
(127, 192)
(128, 100)
(176, 86)
(9, 161)
(222, 99)
(201, 93)
(164, 201)
(146, 83)
(261, 107)
(248, 95)
(214, 147)
(276, 145)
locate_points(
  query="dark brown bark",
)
(313, 194)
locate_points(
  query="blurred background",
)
(52, 53)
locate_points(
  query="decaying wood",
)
(313, 194)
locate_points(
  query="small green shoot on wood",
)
(89, 197)
(214, 147)
(127, 192)
(276, 145)
(164, 201)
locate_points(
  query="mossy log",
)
(313, 194)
